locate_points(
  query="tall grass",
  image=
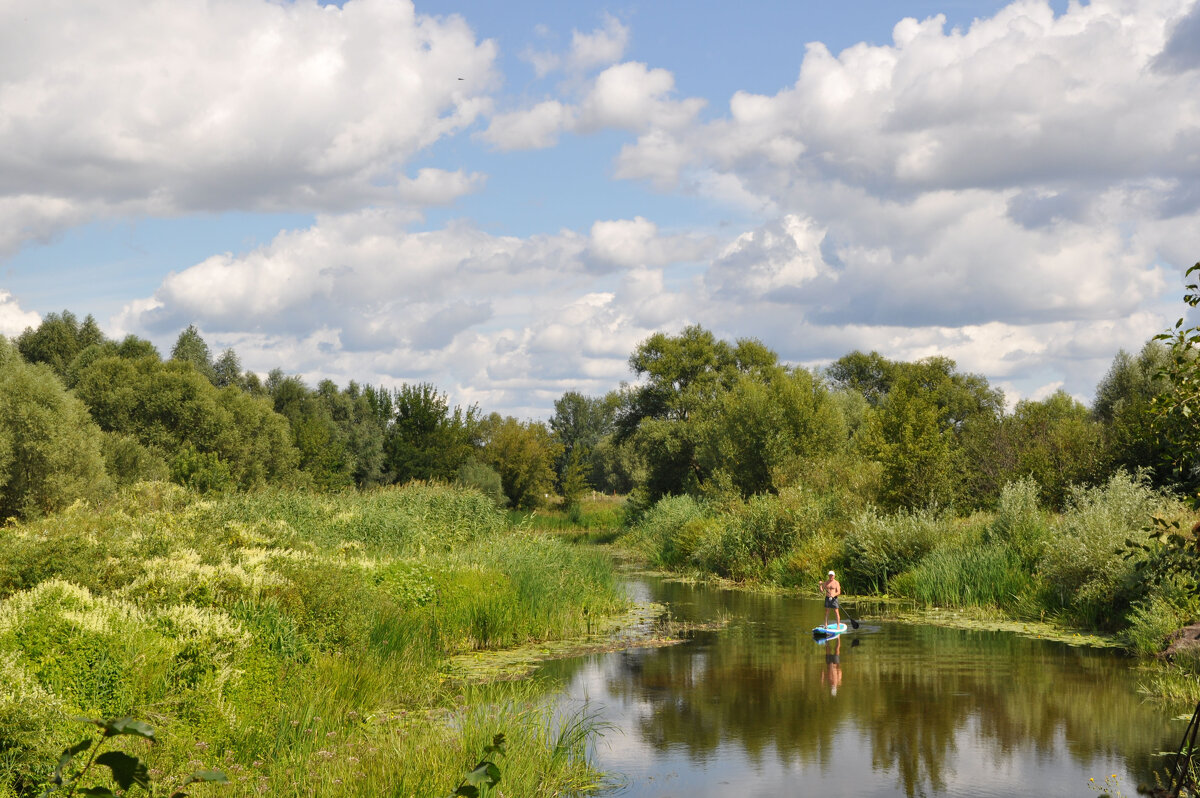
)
(974, 576)
(294, 640)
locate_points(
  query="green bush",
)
(1082, 563)
(879, 546)
(1019, 521)
(662, 534)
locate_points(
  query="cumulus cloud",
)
(628, 96)
(358, 296)
(600, 47)
(13, 320)
(169, 107)
(1019, 100)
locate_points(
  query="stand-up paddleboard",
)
(831, 629)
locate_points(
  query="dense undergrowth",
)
(296, 641)
(1070, 567)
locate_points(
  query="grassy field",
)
(296, 641)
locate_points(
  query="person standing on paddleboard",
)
(832, 588)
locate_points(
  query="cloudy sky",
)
(504, 199)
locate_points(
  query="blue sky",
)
(317, 188)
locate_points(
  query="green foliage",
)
(755, 429)
(523, 453)
(1082, 566)
(966, 576)
(1019, 522)
(191, 348)
(483, 478)
(682, 375)
(170, 408)
(878, 546)
(1056, 442)
(579, 424)
(573, 482)
(125, 770)
(49, 448)
(1124, 406)
(911, 439)
(666, 533)
(234, 615)
(425, 439)
(486, 773)
(127, 461)
(58, 340)
(1151, 622)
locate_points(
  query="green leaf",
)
(103, 792)
(467, 790)
(68, 755)
(127, 770)
(127, 726)
(484, 773)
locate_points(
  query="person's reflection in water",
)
(833, 665)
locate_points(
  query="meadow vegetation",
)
(297, 641)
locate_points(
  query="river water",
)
(759, 708)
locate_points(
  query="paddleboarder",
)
(832, 588)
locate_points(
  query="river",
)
(893, 709)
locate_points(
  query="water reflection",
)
(889, 709)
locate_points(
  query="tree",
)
(681, 376)
(1124, 407)
(757, 427)
(523, 453)
(58, 339)
(191, 348)
(1057, 443)
(49, 447)
(425, 439)
(868, 374)
(227, 370)
(175, 412)
(910, 438)
(320, 442)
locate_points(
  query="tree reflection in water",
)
(930, 706)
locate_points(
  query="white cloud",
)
(357, 296)
(628, 96)
(602, 46)
(533, 129)
(169, 107)
(13, 320)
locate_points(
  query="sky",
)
(505, 199)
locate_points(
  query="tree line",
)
(82, 414)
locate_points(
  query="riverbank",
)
(301, 643)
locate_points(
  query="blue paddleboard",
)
(831, 629)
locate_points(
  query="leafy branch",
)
(485, 774)
(126, 770)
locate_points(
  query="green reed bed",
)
(972, 576)
(296, 641)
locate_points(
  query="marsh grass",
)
(297, 641)
(971, 576)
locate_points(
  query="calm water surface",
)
(760, 708)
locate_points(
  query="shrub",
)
(1083, 562)
(661, 534)
(1019, 520)
(879, 547)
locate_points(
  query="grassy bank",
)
(1066, 568)
(299, 642)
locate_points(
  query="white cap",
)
(831, 573)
